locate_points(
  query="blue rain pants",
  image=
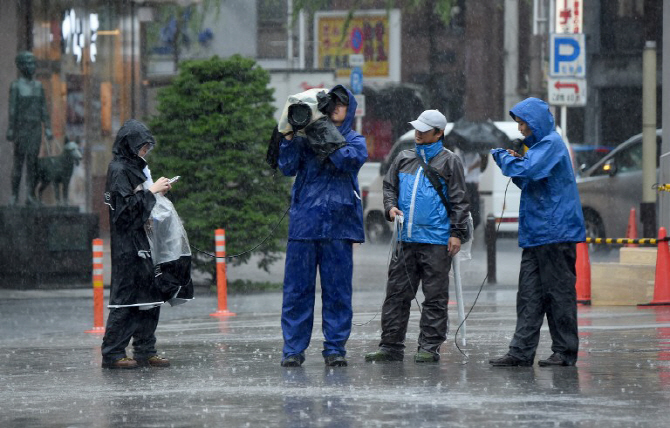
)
(334, 259)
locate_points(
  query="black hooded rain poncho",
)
(133, 278)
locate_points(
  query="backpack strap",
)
(433, 177)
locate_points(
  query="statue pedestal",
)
(46, 246)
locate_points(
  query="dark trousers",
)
(126, 323)
(547, 286)
(25, 150)
(334, 260)
(413, 263)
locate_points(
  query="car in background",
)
(492, 185)
(611, 187)
(587, 155)
(366, 176)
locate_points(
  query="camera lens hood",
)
(299, 115)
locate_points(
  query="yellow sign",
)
(363, 35)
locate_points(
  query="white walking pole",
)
(456, 265)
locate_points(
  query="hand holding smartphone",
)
(173, 179)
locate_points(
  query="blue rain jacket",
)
(426, 219)
(325, 200)
(550, 211)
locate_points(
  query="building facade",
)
(102, 61)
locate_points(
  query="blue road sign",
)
(567, 55)
(356, 80)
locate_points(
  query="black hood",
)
(132, 136)
(125, 171)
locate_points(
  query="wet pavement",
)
(225, 371)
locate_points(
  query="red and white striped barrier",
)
(221, 283)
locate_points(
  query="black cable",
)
(395, 227)
(481, 287)
(214, 256)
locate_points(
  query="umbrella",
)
(476, 136)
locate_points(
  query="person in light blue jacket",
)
(550, 225)
(432, 231)
(325, 219)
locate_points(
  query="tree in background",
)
(212, 129)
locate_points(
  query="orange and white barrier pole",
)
(98, 289)
(221, 283)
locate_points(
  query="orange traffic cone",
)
(631, 230)
(583, 267)
(662, 281)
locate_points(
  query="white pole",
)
(649, 154)
(664, 198)
(289, 35)
(564, 122)
(302, 41)
(456, 265)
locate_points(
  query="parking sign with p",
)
(567, 55)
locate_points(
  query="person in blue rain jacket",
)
(431, 235)
(550, 225)
(325, 219)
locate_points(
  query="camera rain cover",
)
(309, 98)
(324, 138)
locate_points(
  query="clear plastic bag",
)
(466, 247)
(166, 233)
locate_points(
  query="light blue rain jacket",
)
(550, 211)
(406, 186)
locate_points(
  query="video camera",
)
(306, 114)
(327, 101)
(309, 106)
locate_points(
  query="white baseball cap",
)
(428, 120)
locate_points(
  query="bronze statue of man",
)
(27, 112)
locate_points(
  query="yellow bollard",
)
(98, 289)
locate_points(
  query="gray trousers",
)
(547, 287)
(413, 263)
(26, 150)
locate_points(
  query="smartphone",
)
(173, 179)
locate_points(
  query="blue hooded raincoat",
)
(325, 200)
(326, 217)
(550, 211)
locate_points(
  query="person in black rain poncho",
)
(138, 287)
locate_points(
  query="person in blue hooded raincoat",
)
(550, 225)
(325, 219)
(431, 234)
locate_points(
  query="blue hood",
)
(351, 112)
(430, 150)
(536, 114)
